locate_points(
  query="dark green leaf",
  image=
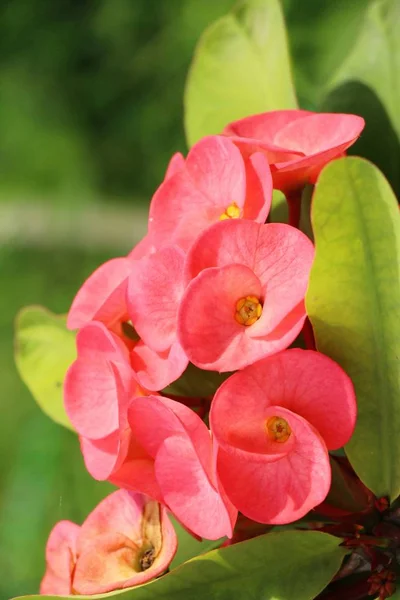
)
(241, 67)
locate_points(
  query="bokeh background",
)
(91, 106)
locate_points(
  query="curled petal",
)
(283, 490)
(102, 296)
(61, 551)
(156, 370)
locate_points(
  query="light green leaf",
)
(44, 349)
(375, 58)
(241, 67)
(278, 566)
(353, 302)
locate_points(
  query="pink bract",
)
(183, 465)
(126, 541)
(154, 292)
(93, 399)
(215, 182)
(274, 423)
(297, 143)
(238, 259)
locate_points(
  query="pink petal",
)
(102, 296)
(142, 248)
(91, 395)
(60, 559)
(182, 448)
(119, 512)
(322, 138)
(112, 540)
(145, 411)
(320, 132)
(156, 370)
(257, 133)
(280, 491)
(280, 256)
(104, 457)
(315, 387)
(176, 163)
(188, 491)
(207, 329)
(136, 471)
(303, 381)
(194, 197)
(216, 168)
(96, 338)
(154, 291)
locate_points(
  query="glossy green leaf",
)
(353, 302)
(241, 67)
(44, 349)
(375, 58)
(278, 566)
(195, 382)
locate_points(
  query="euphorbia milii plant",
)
(235, 370)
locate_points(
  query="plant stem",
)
(308, 335)
(294, 205)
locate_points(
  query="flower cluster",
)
(215, 284)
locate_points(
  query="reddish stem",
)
(294, 205)
(308, 335)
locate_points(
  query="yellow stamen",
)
(231, 212)
(278, 429)
(248, 310)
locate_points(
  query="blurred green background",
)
(90, 112)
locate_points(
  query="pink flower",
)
(246, 297)
(275, 422)
(297, 143)
(214, 183)
(126, 541)
(181, 472)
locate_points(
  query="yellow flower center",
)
(248, 310)
(278, 429)
(231, 212)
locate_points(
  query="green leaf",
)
(189, 546)
(197, 383)
(240, 67)
(44, 349)
(353, 302)
(375, 58)
(276, 566)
